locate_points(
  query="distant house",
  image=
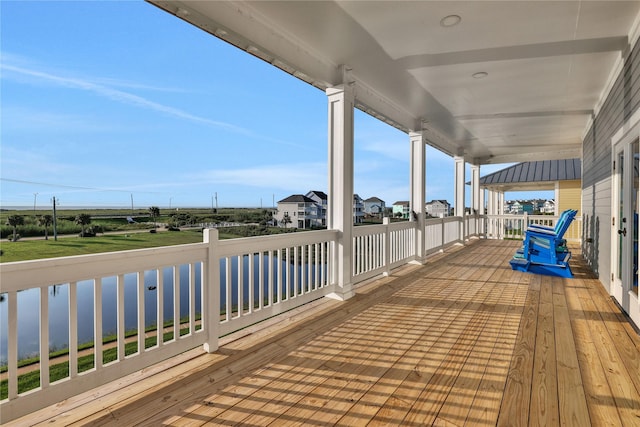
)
(296, 211)
(538, 205)
(320, 198)
(438, 208)
(527, 207)
(513, 207)
(374, 206)
(549, 207)
(310, 210)
(401, 209)
(358, 209)
(519, 207)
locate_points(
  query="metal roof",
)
(297, 198)
(535, 172)
(321, 194)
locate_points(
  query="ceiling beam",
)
(537, 50)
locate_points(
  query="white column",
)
(475, 188)
(491, 208)
(556, 195)
(458, 201)
(482, 222)
(500, 211)
(418, 189)
(340, 197)
(490, 204)
(475, 195)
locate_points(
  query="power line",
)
(74, 187)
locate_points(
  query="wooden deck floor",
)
(463, 340)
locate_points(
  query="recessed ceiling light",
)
(182, 12)
(450, 20)
(480, 75)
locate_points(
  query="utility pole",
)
(35, 198)
(131, 203)
(170, 202)
(55, 221)
(216, 201)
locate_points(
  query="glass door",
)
(625, 221)
(635, 183)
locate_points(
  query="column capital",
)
(340, 90)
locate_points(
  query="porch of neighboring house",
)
(460, 340)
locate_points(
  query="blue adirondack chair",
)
(544, 250)
(540, 237)
(559, 223)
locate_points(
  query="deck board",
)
(462, 340)
(544, 389)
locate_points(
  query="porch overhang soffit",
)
(508, 82)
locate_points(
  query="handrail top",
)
(101, 256)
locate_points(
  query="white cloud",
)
(100, 87)
(389, 149)
(296, 178)
(120, 96)
(25, 164)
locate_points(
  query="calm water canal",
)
(58, 297)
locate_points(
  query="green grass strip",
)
(58, 371)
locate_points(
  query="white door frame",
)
(622, 142)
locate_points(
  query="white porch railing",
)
(188, 295)
(213, 288)
(515, 226)
(277, 274)
(379, 248)
(440, 233)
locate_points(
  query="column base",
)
(210, 347)
(341, 295)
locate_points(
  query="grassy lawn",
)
(68, 246)
(58, 371)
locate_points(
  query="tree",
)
(267, 217)
(83, 220)
(14, 221)
(45, 221)
(286, 219)
(154, 211)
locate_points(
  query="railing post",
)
(525, 225)
(211, 291)
(387, 246)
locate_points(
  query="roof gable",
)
(297, 198)
(320, 194)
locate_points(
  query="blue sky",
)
(105, 101)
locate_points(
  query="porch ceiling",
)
(547, 64)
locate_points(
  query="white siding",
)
(622, 101)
